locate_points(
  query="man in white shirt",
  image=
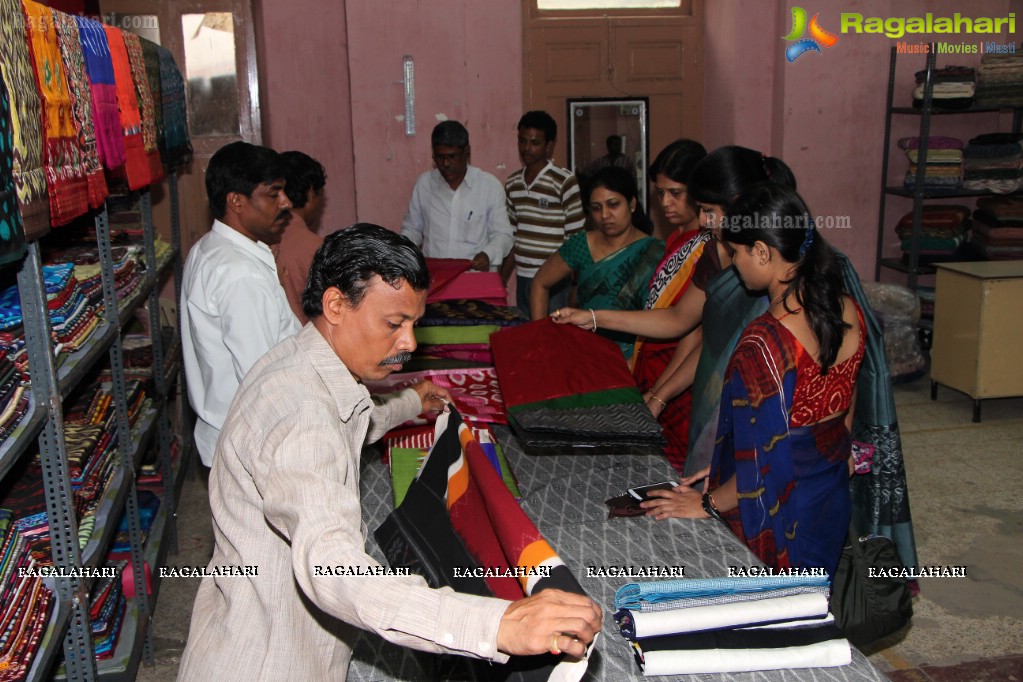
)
(457, 210)
(233, 308)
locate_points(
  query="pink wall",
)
(468, 67)
(824, 114)
(304, 93)
(332, 87)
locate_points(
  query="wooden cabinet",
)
(978, 330)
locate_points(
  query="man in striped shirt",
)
(544, 207)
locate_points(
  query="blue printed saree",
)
(792, 482)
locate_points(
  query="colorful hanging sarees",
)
(26, 123)
(136, 165)
(650, 357)
(81, 105)
(63, 159)
(152, 63)
(103, 90)
(147, 108)
(12, 234)
(792, 482)
(617, 281)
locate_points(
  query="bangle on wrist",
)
(594, 316)
(654, 396)
(712, 511)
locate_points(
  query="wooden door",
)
(653, 53)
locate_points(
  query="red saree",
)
(650, 358)
(63, 159)
(136, 167)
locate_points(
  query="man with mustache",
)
(457, 210)
(233, 309)
(284, 491)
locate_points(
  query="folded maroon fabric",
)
(443, 270)
(481, 286)
(543, 360)
(933, 142)
(936, 218)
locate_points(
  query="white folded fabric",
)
(827, 654)
(721, 616)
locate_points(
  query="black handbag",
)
(868, 608)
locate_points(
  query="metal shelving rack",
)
(919, 194)
(69, 626)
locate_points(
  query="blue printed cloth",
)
(634, 595)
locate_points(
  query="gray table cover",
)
(564, 495)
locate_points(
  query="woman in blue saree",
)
(724, 307)
(612, 264)
(781, 464)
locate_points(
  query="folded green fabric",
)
(465, 334)
(611, 396)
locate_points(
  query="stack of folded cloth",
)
(25, 601)
(107, 606)
(943, 167)
(566, 388)
(993, 162)
(1000, 80)
(998, 227)
(729, 625)
(460, 329)
(14, 396)
(149, 505)
(128, 264)
(954, 88)
(72, 319)
(942, 233)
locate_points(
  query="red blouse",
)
(817, 396)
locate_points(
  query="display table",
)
(565, 496)
(977, 326)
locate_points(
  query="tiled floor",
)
(991, 670)
(964, 482)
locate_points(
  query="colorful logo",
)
(800, 45)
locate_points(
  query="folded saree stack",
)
(998, 227)
(72, 318)
(942, 233)
(569, 389)
(993, 162)
(1000, 80)
(26, 600)
(943, 166)
(729, 625)
(953, 87)
(107, 606)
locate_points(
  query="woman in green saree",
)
(612, 264)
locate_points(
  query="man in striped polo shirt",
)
(544, 207)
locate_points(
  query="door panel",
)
(619, 53)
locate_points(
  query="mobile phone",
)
(642, 492)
